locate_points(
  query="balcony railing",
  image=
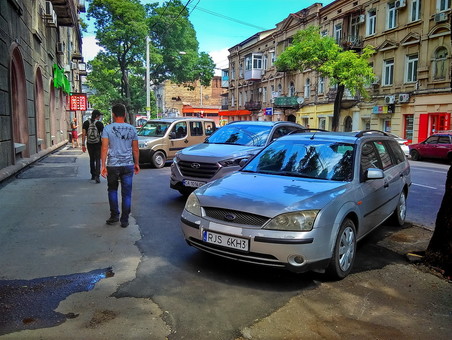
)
(288, 102)
(253, 106)
(352, 42)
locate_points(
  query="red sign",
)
(77, 102)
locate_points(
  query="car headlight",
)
(192, 205)
(296, 221)
(232, 161)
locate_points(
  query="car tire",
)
(415, 155)
(399, 214)
(158, 159)
(344, 251)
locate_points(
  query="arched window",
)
(348, 124)
(439, 63)
(279, 90)
(307, 88)
(292, 89)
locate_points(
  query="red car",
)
(437, 146)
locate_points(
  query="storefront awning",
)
(190, 109)
(235, 113)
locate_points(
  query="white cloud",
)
(90, 48)
(220, 58)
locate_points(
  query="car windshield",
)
(311, 159)
(253, 135)
(154, 129)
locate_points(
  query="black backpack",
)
(93, 136)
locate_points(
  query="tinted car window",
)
(253, 135)
(431, 140)
(321, 160)
(196, 128)
(443, 140)
(397, 151)
(153, 129)
(180, 129)
(384, 155)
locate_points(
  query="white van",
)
(160, 139)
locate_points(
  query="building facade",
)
(410, 97)
(40, 66)
(190, 99)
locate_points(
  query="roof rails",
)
(364, 132)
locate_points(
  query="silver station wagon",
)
(303, 202)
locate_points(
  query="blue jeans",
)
(123, 175)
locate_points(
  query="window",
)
(196, 128)
(322, 123)
(391, 16)
(388, 72)
(232, 70)
(307, 88)
(291, 90)
(371, 22)
(264, 94)
(279, 90)
(272, 58)
(443, 5)
(415, 14)
(241, 70)
(257, 61)
(439, 63)
(232, 100)
(240, 99)
(321, 84)
(411, 68)
(265, 62)
(338, 33)
(248, 62)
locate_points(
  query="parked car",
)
(402, 142)
(437, 146)
(223, 151)
(160, 139)
(303, 202)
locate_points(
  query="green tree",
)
(345, 68)
(121, 30)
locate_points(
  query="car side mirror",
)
(243, 162)
(374, 173)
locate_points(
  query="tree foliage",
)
(121, 30)
(345, 68)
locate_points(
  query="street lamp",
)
(148, 89)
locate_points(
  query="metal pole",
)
(148, 90)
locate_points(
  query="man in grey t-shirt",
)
(120, 161)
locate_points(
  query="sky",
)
(222, 24)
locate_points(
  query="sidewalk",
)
(53, 224)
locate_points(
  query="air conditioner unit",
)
(361, 19)
(389, 99)
(48, 10)
(52, 22)
(60, 48)
(404, 98)
(440, 17)
(400, 3)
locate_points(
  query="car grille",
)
(235, 217)
(256, 258)
(198, 170)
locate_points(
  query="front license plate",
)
(225, 240)
(193, 184)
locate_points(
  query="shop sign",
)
(268, 111)
(77, 102)
(380, 109)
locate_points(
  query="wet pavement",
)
(31, 304)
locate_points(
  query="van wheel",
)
(399, 214)
(344, 251)
(158, 160)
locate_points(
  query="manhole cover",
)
(49, 172)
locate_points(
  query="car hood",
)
(217, 151)
(269, 195)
